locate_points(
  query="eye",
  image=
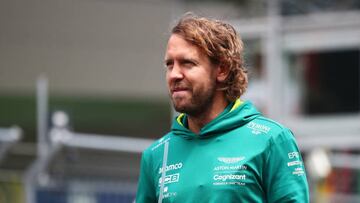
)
(169, 64)
(188, 63)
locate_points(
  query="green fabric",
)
(240, 156)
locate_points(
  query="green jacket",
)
(240, 156)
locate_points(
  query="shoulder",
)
(156, 147)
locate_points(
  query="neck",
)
(196, 122)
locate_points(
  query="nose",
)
(175, 73)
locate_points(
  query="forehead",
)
(178, 46)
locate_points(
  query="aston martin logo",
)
(230, 160)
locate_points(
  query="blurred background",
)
(83, 92)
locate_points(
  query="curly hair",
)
(221, 43)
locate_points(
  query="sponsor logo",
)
(294, 163)
(169, 194)
(230, 160)
(229, 183)
(170, 179)
(258, 128)
(298, 171)
(292, 155)
(171, 167)
(229, 177)
(230, 168)
(160, 142)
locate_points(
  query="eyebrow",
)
(182, 59)
(189, 59)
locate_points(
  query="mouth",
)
(179, 91)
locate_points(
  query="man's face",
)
(190, 76)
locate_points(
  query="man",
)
(220, 149)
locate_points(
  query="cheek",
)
(205, 79)
(167, 79)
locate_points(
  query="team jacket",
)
(240, 156)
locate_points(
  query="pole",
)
(31, 174)
(273, 60)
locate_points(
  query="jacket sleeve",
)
(284, 174)
(146, 192)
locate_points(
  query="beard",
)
(200, 100)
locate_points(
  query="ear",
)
(222, 73)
